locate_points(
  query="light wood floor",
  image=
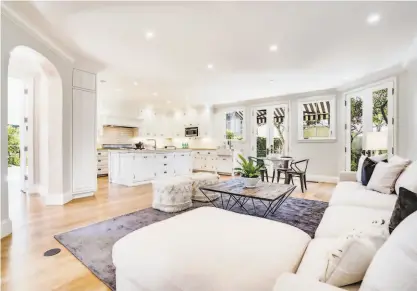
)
(23, 266)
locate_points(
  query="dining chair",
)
(299, 169)
(284, 169)
(263, 170)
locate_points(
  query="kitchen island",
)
(137, 167)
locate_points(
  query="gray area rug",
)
(93, 244)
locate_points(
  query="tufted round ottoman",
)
(173, 194)
(204, 179)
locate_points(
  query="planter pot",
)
(250, 182)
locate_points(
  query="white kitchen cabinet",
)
(225, 164)
(84, 157)
(183, 164)
(84, 80)
(164, 164)
(204, 160)
(144, 168)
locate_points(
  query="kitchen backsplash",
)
(117, 135)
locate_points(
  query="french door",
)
(270, 130)
(370, 122)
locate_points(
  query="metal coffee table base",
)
(271, 206)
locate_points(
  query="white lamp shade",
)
(376, 141)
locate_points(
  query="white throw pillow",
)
(353, 254)
(399, 160)
(408, 179)
(377, 158)
(384, 177)
(394, 267)
(359, 171)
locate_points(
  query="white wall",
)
(407, 112)
(325, 161)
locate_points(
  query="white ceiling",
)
(320, 45)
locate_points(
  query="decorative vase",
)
(250, 182)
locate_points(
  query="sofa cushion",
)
(377, 159)
(406, 205)
(354, 194)
(368, 169)
(394, 267)
(339, 220)
(319, 263)
(351, 256)
(209, 249)
(385, 176)
(408, 179)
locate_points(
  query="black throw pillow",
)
(405, 205)
(368, 169)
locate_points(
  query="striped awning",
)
(316, 111)
(234, 115)
(279, 115)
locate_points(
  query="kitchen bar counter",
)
(157, 151)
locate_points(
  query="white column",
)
(6, 224)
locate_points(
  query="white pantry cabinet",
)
(84, 158)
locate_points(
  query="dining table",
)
(279, 163)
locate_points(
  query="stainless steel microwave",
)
(191, 131)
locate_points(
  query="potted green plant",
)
(249, 171)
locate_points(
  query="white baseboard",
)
(56, 199)
(82, 195)
(6, 227)
(322, 178)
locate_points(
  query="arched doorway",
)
(36, 84)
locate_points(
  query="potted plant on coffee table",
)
(249, 171)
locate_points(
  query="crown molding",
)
(39, 35)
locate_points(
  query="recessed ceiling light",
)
(210, 66)
(273, 48)
(168, 101)
(155, 93)
(373, 18)
(149, 35)
(135, 83)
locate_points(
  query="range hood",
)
(118, 121)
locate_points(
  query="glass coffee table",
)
(232, 192)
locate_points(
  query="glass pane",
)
(234, 125)
(261, 133)
(279, 130)
(356, 131)
(380, 118)
(316, 119)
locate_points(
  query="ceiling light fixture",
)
(210, 66)
(135, 83)
(155, 93)
(273, 48)
(149, 35)
(373, 18)
(168, 101)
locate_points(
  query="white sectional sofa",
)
(213, 249)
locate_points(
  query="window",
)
(234, 125)
(316, 119)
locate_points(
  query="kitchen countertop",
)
(131, 151)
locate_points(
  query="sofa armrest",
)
(347, 176)
(293, 282)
